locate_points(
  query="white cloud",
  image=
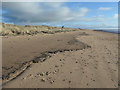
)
(83, 11)
(115, 16)
(40, 12)
(105, 8)
(52, 13)
(101, 15)
(60, 1)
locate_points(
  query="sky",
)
(93, 15)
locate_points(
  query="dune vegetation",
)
(13, 30)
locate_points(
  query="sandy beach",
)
(76, 59)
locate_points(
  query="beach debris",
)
(43, 79)
(47, 73)
(24, 78)
(44, 73)
(41, 58)
(54, 72)
(52, 81)
(57, 70)
(38, 74)
(41, 74)
(30, 75)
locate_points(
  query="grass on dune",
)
(13, 30)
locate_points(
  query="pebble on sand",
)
(52, 81)
(43, 79)
(47, 73)
(24, 78)
(41, 74)
(76, 61)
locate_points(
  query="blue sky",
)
(95, 15)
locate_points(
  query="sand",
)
(19, 51)
(79, 59)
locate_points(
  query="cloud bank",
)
(40, 12)
(105, 8)
(115, 16)
(58, 14)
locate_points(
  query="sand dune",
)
(80, 59)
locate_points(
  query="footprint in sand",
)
(95, 67)
(70, 72)
(60, 59)
(41, 74)
(63, 59)
(76, 62)
(87, 84)
(69, 82)
(50, 80)
(29, 76)
(63, 80)
(47, 73)
(108, 62)
(56, 66)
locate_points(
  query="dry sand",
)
(22, 51)
(77, 65)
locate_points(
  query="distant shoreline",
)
(109, 31)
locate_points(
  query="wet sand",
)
(79, 59)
